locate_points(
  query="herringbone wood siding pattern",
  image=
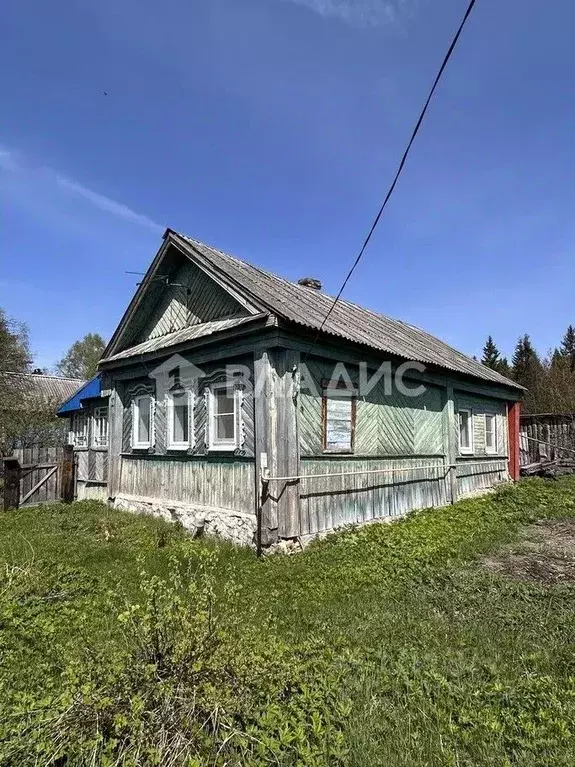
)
(386, 424)
(178, 308)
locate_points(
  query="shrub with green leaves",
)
(123, 642)
(187, 683)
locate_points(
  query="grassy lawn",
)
(122, 642)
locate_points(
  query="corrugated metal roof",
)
(91, 389)
(180, 336)
(50, 389)
(308, 307)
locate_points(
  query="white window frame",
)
(100, 415)
(79, 437)
(173, 444)
(213, 443)
(494, 448)
(136, 445)
(465, 449)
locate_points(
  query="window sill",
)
(179, 448)
(485, 456)
(222, 448)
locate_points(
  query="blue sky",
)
(272, 128)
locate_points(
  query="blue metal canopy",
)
(92, 388)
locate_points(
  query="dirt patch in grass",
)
(545, 553)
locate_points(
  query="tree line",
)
(549, 380)
(26, 419)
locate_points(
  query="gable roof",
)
(307, 307)
(263, 292)
(37, 387)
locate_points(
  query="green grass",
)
(389, 645)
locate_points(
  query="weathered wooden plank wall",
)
(556, 429)
(91, 473)
(221, 483)
(474, 476)
(91, 465)
(333, 501)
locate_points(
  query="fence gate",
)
(38, 475)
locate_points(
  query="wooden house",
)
(87, 411)
(246, 405)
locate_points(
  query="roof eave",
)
(376, 352)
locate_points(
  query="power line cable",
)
(397, 174)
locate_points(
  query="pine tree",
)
(491, 354)
(492, 358)
(504, 368)
(528, 371)
(568, 346)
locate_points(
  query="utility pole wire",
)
(398, 172)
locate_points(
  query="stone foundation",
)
(234, 526)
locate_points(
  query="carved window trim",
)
(136, 399)
(171, 442)
(465, 447)
(213, 444)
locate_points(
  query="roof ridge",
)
(294, 283)
(344, 320)
(40, 375)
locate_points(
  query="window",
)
(100, 427)
(465, 431)
(79, 433)
(338, 421)
(224, 409)
(180, 414)
(490, 433)
(142, 422)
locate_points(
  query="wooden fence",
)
(34, 475)
(546, 436)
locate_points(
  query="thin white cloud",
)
(108, 205)
(41, 188)
(8, 160)
(361, 13)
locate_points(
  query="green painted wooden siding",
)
(333, 501)
(479, 406)
(393, 424)
(178, 309)
(480, 471)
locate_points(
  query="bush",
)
(184, 686)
